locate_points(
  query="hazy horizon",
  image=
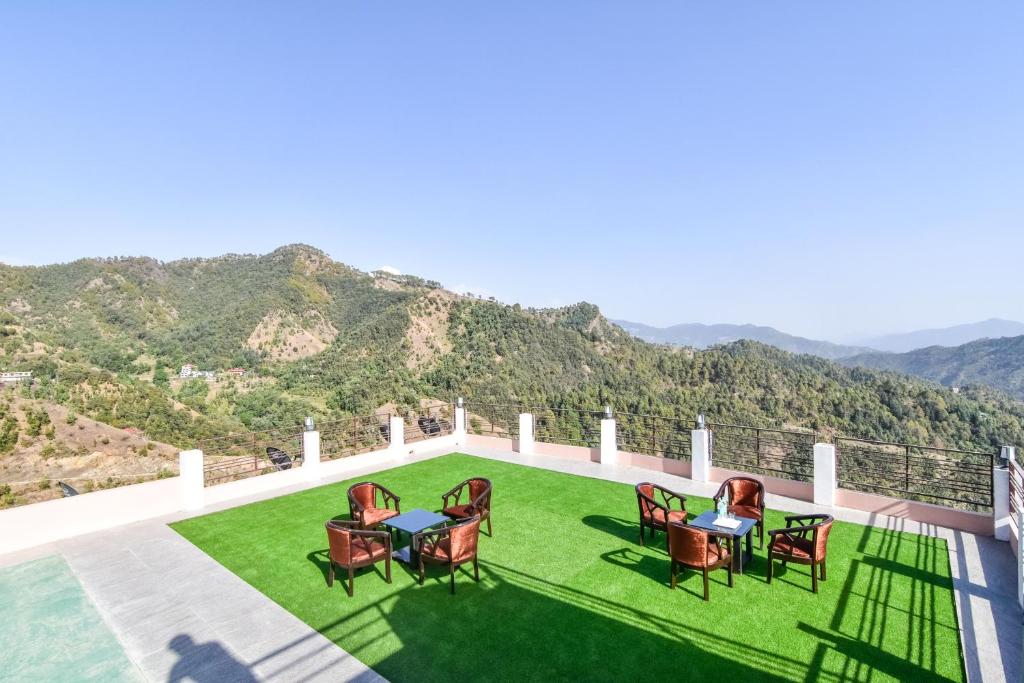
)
(835, 172)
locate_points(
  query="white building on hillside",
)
(15, 377)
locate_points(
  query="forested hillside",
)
(997, 363)
(105, 338)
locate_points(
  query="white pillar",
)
(824, 474)
(700, 447)
(311, 455)
(1001, 503)
(190, 467)
(609, 443)
(460, 424)
(526, 442)
(397, 432)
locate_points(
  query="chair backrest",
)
(821, 536)
(745, 491)
(365, 494)
(480, 492)
(688, 544)
(339, 541)
(279, 458)
(644, 496)
(464, 538)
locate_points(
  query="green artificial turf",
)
(567, 592)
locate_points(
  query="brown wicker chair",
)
(746, 499)
(693, 548)
(655, 515)
(805, 543)
(478, 501)
(350, 548)
(453, 545)
(362, 504)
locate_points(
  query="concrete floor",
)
(176, 611)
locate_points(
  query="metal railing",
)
(951, 477)
(493, 419)
(776, 452)
(354, 435)
(429, 423)
(569, 427)
(237, 456)
(664, 437)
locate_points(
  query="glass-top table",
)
(413, 522)
(706, 520)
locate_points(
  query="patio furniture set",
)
(708, 542)
(449, 538)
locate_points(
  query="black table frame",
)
(739, 559)
(410, 554)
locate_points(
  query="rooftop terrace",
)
(226, 581)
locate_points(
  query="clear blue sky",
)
(830, 169)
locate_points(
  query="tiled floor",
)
(58, 634)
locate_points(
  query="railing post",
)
(310, 452)
(396, 432)
(609, 446)
(190, 468)
(700, 452)
(824, 474)
(460, 422)
(526, 441)
(1001, 496)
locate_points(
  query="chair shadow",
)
(620, 528)
(657, 569)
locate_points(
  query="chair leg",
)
(641, 533)
(814, 579)
(421, 570)
(729, 567)
(770, 567)
(672, 573)
(387, 567)
(351, 581)
(707, 594)
(451, 571)
(330, 574)
(490, 531)
(823, 570)
(760, 535)
(476, 570)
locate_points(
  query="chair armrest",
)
(436, 534)
(346, 524)
(455, 492)
(800, 518)
(388, 495)
(669, 496)
(366, 533)
(791, 530)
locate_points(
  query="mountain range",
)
(105, 339)
(997, 363)
(993, 328)
(700, 336)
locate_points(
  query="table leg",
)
(737, 560)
